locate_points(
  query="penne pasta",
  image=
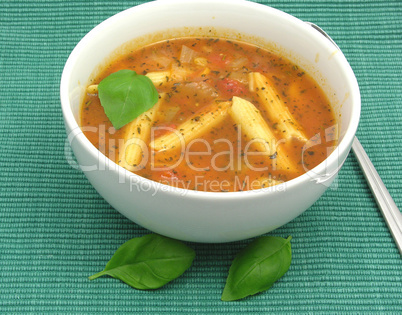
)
(228, 122)
(137, 133)
(277, 111)
(253, 125)
(200, 61)
(199, 124)
(256, 129)
(159, 77)
(92, 89)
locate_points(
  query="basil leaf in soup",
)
(257, 267)
(149, 262)
(125, 95)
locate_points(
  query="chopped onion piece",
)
(239, 63)
(170, 112)
(187, 55)
(242, 77)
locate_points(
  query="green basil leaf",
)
(125, 95)
(149, 262)
(257, 267)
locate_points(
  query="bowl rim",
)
(342, 147)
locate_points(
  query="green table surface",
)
(55, 230)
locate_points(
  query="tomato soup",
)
(231, 116)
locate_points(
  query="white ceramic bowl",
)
(210, 216)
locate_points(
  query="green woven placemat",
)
(55, 230)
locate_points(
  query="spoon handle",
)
(389, 210)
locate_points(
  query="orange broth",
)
(221, 161)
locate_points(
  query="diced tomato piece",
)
(230, 87)
(219, 60)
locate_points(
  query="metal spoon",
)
(388, 208)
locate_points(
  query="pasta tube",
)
(201, 61)
(92, 89)
(256, 129)
(137, 133)
(277, 111)
(157, 78)
(253, 124)
(193, 128)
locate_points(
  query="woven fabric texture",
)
(55, 230)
